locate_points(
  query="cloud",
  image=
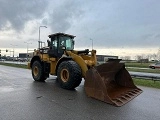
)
(120, 23)
(64, 14)
(16, 13)
(110, 23)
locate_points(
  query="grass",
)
(14, 65)
(144, 70)
(140, 65)
(147, 83)
(143, 82)
(133, 64)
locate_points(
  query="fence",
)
(146, 76)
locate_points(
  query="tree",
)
(127, 57)
(139, 57)
(158, 54)
(154, 56)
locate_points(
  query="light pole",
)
(27, 48)
(39, 36)
(92, 43)
(27, 45)
(13, 49)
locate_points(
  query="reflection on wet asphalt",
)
(23, 99)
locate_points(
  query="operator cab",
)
(59, 43)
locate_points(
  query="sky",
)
(116, 27)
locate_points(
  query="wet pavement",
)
(23, 99)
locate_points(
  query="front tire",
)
(38, 71)
(69, 75)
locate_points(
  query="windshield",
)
(67, 42)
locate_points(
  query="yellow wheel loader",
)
(109, 82)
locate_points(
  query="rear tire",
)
(69, 75)
(38, 72)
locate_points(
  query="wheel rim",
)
(35, 71)
(64, 75)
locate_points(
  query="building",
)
(22, 55)
(104, 58)
(26, 55)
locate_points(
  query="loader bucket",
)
(111, 83)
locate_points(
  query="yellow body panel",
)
(52, 61)
(44, 57)
(53, 67)
(29, 65)
(84, 61)
(79, 60)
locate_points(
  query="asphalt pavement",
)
(23, 99)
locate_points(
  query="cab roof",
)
(62, 34)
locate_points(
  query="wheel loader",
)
(109, 82)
